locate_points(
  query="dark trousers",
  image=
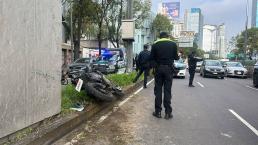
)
(163, 80)
(192, 73)
(146, 73)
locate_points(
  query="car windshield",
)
(83, 60)
(213, 63)
(113, 58)
(179, 61)
(234, 64)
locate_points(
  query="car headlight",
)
(111, 67)
(208, 69)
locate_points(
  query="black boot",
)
(157, 114)
(168, 116)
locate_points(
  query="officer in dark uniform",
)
(163, 54)
(144, 65)
(192, 60)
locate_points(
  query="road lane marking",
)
(102, 118)
(200, 84)
(226, 135)
(251, 88)
(245, 122)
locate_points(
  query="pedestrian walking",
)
(163, 54)
(143, 65)
(192, 61)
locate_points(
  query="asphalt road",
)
(215, 112)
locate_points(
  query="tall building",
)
(209, 38)
(254, 21)
(221, 41)
(214, 40)
(193, 21)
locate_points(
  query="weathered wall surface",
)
(30, 62)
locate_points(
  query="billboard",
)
(171, 9)
(186, 38)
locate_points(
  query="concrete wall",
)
(30, 62)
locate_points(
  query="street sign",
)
(206, 55)
(186, 39)
(186, 44)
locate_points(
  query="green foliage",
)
(71, 96)
(123, 80)
(161, 23)
(187, 51)
(252, 41)
(114, 22)
(141, 10)
(249, 63)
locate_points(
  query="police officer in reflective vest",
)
(163, 54)
(192, 60)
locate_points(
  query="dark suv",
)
(255, 75)
(212, 68)
(80, 65)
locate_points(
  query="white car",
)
(235, 69)
(181, 68)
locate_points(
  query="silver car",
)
(198, 66)
(235, 69)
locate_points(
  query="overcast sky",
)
(230, 12)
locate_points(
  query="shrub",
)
(123, 80)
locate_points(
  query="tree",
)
(252, 43)
(187, 51)
(101, 9)
(114, 22)
(82, 11)
(161, 23)
(141, 12)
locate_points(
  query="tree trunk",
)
(77, 40)
(99, 43)
(99, 34)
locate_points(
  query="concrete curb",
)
(61, 130)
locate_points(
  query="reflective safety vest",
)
(162, 40)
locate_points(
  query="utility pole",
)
(129, 43)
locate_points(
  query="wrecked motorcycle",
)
(98, 86)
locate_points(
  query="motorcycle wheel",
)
(95, 90)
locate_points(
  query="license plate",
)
(239, 73)
(215, 73)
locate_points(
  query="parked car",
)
(80, 65)
(212, 68)
(180, 66)
(235, 69)
(255, 75)
(198, 66)
(109, 65)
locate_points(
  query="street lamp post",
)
(246, 25)
(71, 33)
